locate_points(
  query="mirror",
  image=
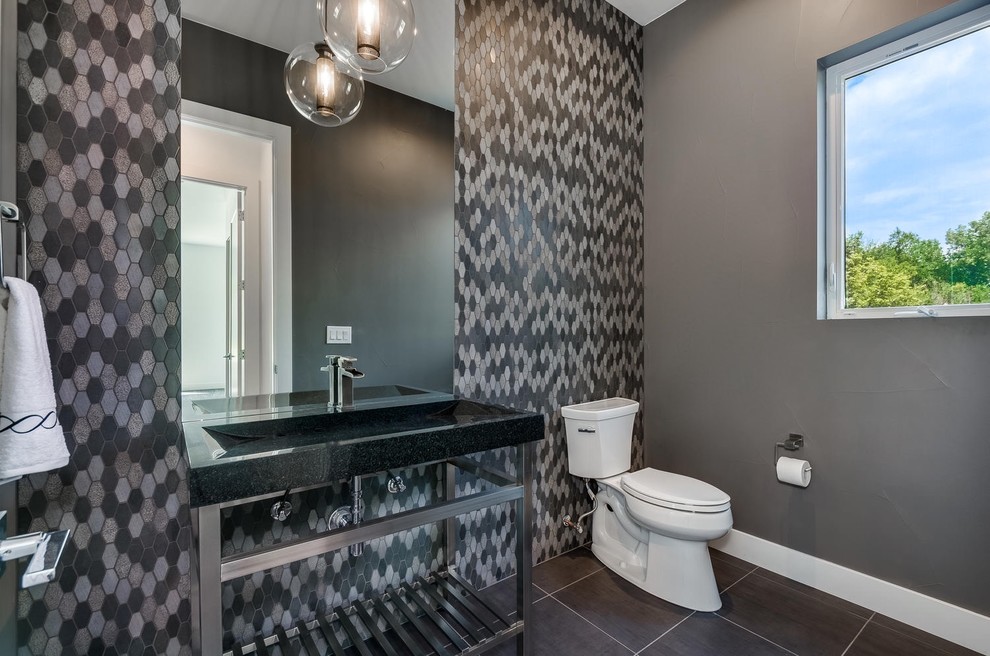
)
(295, 234)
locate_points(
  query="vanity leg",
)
(524, 548)
(209, 612)
(450, 524)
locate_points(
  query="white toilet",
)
(651, 527)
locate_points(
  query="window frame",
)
(832, 237)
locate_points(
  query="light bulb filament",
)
(326, 83)
(369, 31)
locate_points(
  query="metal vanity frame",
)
(212, 569)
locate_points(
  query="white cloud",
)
(918, 139)
(884, 196)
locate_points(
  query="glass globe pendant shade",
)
(373, 36)
(321, 87)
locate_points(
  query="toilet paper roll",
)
(793, 471)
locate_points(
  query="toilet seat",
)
(669, 490)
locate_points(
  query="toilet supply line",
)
(576, 525)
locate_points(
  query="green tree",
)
(906, 270)
(959, 293)
(874, 279)
(924, 256)
(969, 252)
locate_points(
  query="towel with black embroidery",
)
(31, 438)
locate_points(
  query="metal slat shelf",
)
(443, 614)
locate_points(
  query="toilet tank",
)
(599, 437)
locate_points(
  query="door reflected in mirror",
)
(212, 256)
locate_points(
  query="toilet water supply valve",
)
(576, 524)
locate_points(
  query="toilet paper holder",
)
(793, 442)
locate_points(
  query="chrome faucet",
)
(342, 374)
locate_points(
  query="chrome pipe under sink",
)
(350, 515)
(357, 512)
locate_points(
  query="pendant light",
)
(321, 87)
(373, 36)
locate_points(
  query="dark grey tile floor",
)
(582, 608)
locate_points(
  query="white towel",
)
(31, 439)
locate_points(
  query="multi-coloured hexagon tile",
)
(98, 183)
(549, 234)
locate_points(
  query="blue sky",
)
(918, 142)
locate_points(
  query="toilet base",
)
(676, 570)
(680, 571)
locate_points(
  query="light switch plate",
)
(338, 334)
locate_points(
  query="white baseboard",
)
(955, 624)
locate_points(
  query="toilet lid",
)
(667, 488)
(600, 410)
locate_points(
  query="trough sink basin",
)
(260, 437)
(368, 396)
(232, 460)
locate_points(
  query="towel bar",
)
(10, 214)
(45, 550)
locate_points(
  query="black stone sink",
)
(247, 438)
(268, 402)
(232, 460)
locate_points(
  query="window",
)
(906, 229)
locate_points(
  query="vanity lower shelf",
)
(350, 446)
(407, 615)
(440, 614)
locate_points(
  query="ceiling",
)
(427, 74)
(643, 12)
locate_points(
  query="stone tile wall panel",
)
(98, 185)
(549, 234)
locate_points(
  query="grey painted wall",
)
(895, 411)
(372, 216)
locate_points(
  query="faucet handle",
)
(338, 361)
(341, 360)
(346, 365)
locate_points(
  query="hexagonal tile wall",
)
(549, 228)
(98, 183)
